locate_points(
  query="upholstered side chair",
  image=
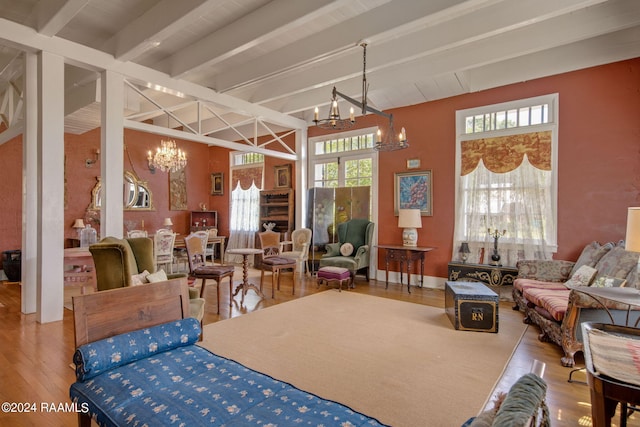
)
(353, 250)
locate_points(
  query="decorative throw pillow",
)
(139, 279)
(608, 282)
(346, 249)
(591, 254)
(582, 277)
(158, 276)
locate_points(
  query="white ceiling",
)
(286, 55)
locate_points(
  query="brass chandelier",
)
(390, 141)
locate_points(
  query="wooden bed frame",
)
(107, 313)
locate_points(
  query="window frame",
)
(551, 125)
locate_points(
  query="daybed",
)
(545, 292)
(137, 364)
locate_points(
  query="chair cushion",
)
(330, 272)
(213, 271)
(276, 260)
(554, 301)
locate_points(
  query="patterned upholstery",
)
(553, 300)
(156, 376)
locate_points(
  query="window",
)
(246, 181)
(507, 174)
(344, 160)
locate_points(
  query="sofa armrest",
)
(545, 270)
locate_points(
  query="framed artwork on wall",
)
(217, 184)
(413, 190)
(283, 176)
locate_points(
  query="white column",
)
(30, 185)
(50, 282)
(112, 154)
(301, 178)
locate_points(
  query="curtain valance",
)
(247, 176)
(506, 153)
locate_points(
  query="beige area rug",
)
(399, 362)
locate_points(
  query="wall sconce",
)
(150, 164)
(88, 163)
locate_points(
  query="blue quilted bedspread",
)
(158, 376)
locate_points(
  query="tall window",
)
(246, 181)
(507, 179)
(343, 160)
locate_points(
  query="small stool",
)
(331, 274)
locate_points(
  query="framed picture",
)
(413, 190)
(217, 184)
(283, 176)
(413, 164)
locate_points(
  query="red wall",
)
(599, 157)
(598, 177)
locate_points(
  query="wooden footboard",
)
(107, 313)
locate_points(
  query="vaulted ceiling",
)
(247, 61)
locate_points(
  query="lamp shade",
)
(167, 222)
(632, 239)
(464, 248)
(78, 224)
(409, 218)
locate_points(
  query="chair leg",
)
(230, 293)
(218, 293)
(293, 284)
(275, 271)
(204, 281)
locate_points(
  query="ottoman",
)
(471, 306)
(331, 274)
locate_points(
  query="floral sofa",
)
(546, 292)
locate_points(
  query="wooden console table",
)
(404, 254)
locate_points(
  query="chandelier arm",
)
(363, 106)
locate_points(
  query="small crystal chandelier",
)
(335, 122)
(168, 157)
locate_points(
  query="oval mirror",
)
(136, 194)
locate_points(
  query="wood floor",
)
(35, 358)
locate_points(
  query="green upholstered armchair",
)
(357, 232)
(118, 260)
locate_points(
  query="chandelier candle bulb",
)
(379, 136)
(316, 114)
(352, 115)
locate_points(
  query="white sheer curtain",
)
(518, 201)
(245, 219)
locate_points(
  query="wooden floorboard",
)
(35, 358)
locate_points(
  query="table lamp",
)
(632, 239)
(78, 225)
(464, 251)
(410, 220)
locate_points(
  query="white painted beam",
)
(274, 18)
(345, 35)
(52, 15)
(83, 56)
(158, 23)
